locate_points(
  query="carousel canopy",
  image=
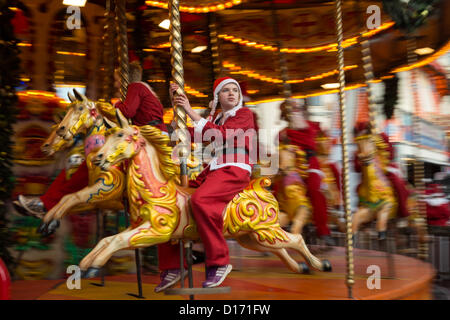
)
(248, 35)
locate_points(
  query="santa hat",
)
(219, 84)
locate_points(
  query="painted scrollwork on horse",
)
(160, 210)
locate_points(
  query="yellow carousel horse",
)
(160, 210)
(376, 196)
(290, 188)
(105, 189)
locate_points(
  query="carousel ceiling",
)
(248, 38)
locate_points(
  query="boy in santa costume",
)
(141, 105)
(302, 133)
(226, 175)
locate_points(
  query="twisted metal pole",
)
(121, 20)
(176, 61)
(108, 53)
(419, 166)
(286, 87)
(214, 45)
(345, 167)
(368, 74)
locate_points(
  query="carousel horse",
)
(290, 188)
(105, 189)
(160, 210)
(376, 196)
(53, 144)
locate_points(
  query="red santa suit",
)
(227, 174)
(438, 206)
(142, 106)
(306, 140)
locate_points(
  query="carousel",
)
(293, 232)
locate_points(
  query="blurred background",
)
(268, 46)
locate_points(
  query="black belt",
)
(154, 122)
(310, 153)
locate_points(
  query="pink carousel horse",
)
(160, 210)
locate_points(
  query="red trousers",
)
(318, 200)
(60, 186)
(215, 189)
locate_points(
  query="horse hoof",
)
(92, 272)
(52, 226)
(304, 268)
(42, 228)
(326, 266)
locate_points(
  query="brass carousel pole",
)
(419, 170)
(214, 46)
(108, 53)
(345, 167)
(287, 90)
(368, 74)
(176, 61)
(122, 46)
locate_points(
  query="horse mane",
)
(107, 110)
(160, 141)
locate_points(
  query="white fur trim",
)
(220, 86)
(199, 125)
(435, 202)
(229, 113)
(395, 171)
(214, 166)
(317, 171)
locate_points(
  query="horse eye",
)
(120, 135)
(80, 108)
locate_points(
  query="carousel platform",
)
(260, 277)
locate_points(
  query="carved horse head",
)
(123, 142)
(126, 141)
(55, 142)
(80, 117)
(365, 142)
